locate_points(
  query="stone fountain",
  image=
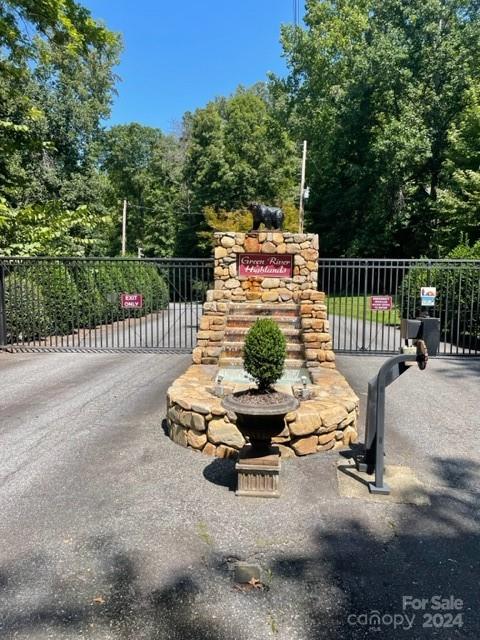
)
(274, 274)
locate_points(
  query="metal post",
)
(373, 457)
(379, 487)
(302, 189)
(124, 227)
(364, 319)
(3, 318)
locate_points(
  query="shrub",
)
(418, 276)
(60, 295)
(26, 312)
(113, 278)
(160, 292)
(111, 281)
(93, 308)
(264, 353)
(56, 297)
(144, 278)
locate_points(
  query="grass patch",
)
(359, 307)
(203, 533)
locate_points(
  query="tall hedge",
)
(56, 297)
(59, 292)
(27, 316)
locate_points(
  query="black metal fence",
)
(83, 304)
(76, 304)
(350, 285)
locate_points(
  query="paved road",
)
(171, 328)
(431, 416)
(109, 531)
(353, 334)
(350, 334)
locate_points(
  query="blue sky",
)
(179, 55)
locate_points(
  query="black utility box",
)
(427, 329)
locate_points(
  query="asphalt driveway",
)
(108, 530)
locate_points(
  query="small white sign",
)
(427, 296)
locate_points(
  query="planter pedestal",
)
(258, 468)
(258, 476)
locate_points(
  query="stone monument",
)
(263, 273)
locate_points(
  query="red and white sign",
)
(264, 264)
(381, 303)
(131, 300)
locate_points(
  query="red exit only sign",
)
(131, 300)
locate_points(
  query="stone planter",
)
(260, 423)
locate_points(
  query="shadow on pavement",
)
(423, 552)
(351, 585)
(221, 471)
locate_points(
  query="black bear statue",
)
(272, 217)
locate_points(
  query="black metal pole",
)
(3, 310)
(373, 456)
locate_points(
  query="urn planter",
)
(258, 468)
(262, 421)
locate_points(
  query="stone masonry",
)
(327, 419)
(297, 294)
(197, 419)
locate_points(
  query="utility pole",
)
(302, 189)
(124, 227)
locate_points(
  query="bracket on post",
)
(372, 459)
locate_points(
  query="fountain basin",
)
(196, 417)
(239, 375)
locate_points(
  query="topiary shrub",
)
(264, 353)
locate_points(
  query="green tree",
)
(207, 171)
(375, 86)
(49, 229)
(144, 166)
(39, 42)
(237, 152)
(459, 200)
(56, 85)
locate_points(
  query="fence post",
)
(3, 319)
(364, 319)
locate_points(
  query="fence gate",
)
(350, 285)
(101, 304)
(125, 304)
